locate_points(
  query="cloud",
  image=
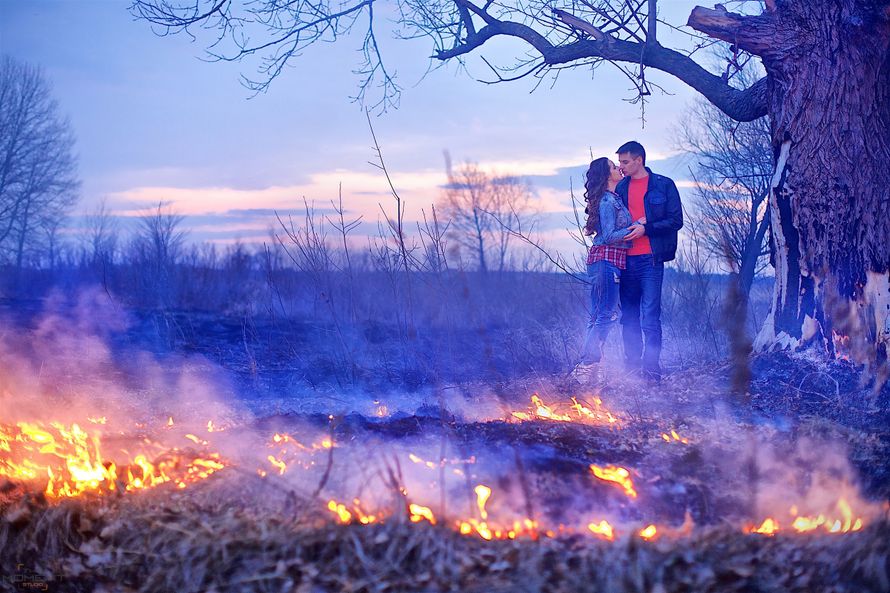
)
(222, 214)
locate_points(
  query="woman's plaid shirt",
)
(617, 256)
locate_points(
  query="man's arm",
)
(673, 214)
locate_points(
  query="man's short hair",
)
(634, 148)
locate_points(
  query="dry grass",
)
(206, 540)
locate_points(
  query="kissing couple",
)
(633, 215)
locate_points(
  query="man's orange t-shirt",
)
(635, 194)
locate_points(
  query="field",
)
(430, 443)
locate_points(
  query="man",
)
(654, 203)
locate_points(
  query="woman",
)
(608, 220)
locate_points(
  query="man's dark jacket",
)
(664, 214)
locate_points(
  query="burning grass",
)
(358, 504)
(199, 541)
(619, 490)
(66, 461)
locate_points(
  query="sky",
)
(156, 122)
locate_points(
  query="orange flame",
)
(648, 532)
(844, 523)
(768, 527)
(599, 414)
(69, 459)
(489, 532)
(363, 518)
(602, 529)
(545, 411)
(419, 513)
(578, 412)
(482, 495)
(617, 475)
(343, 515)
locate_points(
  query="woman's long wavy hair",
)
(597, 181)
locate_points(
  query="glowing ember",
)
(287, 440)
(617, 475)
(648, 532)
(673, 437)
(280, 465)
(420, 461)
(363, 518)
(69, 461)
(602, 529)
(343, 515)
(196, 440)
(442, 462)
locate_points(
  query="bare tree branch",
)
(579, 33)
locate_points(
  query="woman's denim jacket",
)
(614, 222)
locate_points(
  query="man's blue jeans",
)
(604, 278)
(640, 293)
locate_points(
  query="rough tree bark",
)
(828, 92)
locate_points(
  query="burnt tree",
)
(826, 92)
(828, 99)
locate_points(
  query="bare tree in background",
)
(481, 208)
(100, 236)
(733, 167)
(157, 246)
(38, 170)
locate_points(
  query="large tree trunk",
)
(828, 71)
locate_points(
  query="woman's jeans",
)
(604, 278)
